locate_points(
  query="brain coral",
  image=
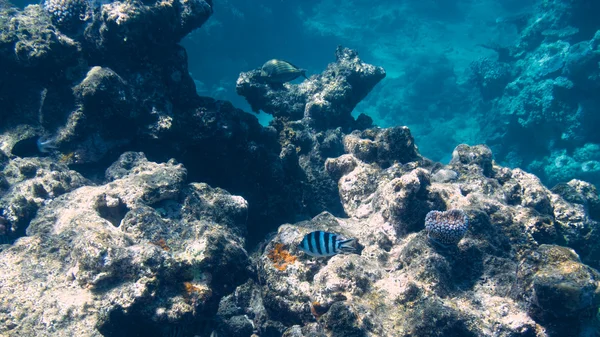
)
(446, 228)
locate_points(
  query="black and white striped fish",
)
(320, 244)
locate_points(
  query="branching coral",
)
(281, 257)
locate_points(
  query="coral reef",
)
(543, 102)
(67, 13)
(120, 82)
(519, 76)
(99, 240)
(30, 183)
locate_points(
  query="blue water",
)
(428, 49)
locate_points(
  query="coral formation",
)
(448, 227)
(519, 76)
(402, 277)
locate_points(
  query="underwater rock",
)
(324, 101)
(134, 27)
(131, 255)
(467, 157)
(548, 60)
(444, 176)
(556, 287)
(559, 20)
(580, 66)
(402, 275)
(127, 87)
(104, 97)
(147, 253)
(31, 42)
(270, 165)
(552, 100)
(581, 192)
(563, 286)
(102, 119)
(140, 86)
(67, 14)
(33, 55)
(404, 201)
(382, 146)
(149, 249)
(242, 313)
(369, 149)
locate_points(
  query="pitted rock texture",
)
(26, 185)
(146, 250)
(325, 100)
(117, 80)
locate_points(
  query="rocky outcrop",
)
(26, 185)
(504, 278)
(148, 247)
(144, 253)
(115, 74)
(124, 85)
(323, 101)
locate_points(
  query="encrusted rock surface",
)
(123, 56)
(146, 243)
(504, 278)
(26, 184)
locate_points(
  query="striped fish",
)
(320, 244)
(278, 71)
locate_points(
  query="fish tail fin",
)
(347, 246)
(303, 73)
